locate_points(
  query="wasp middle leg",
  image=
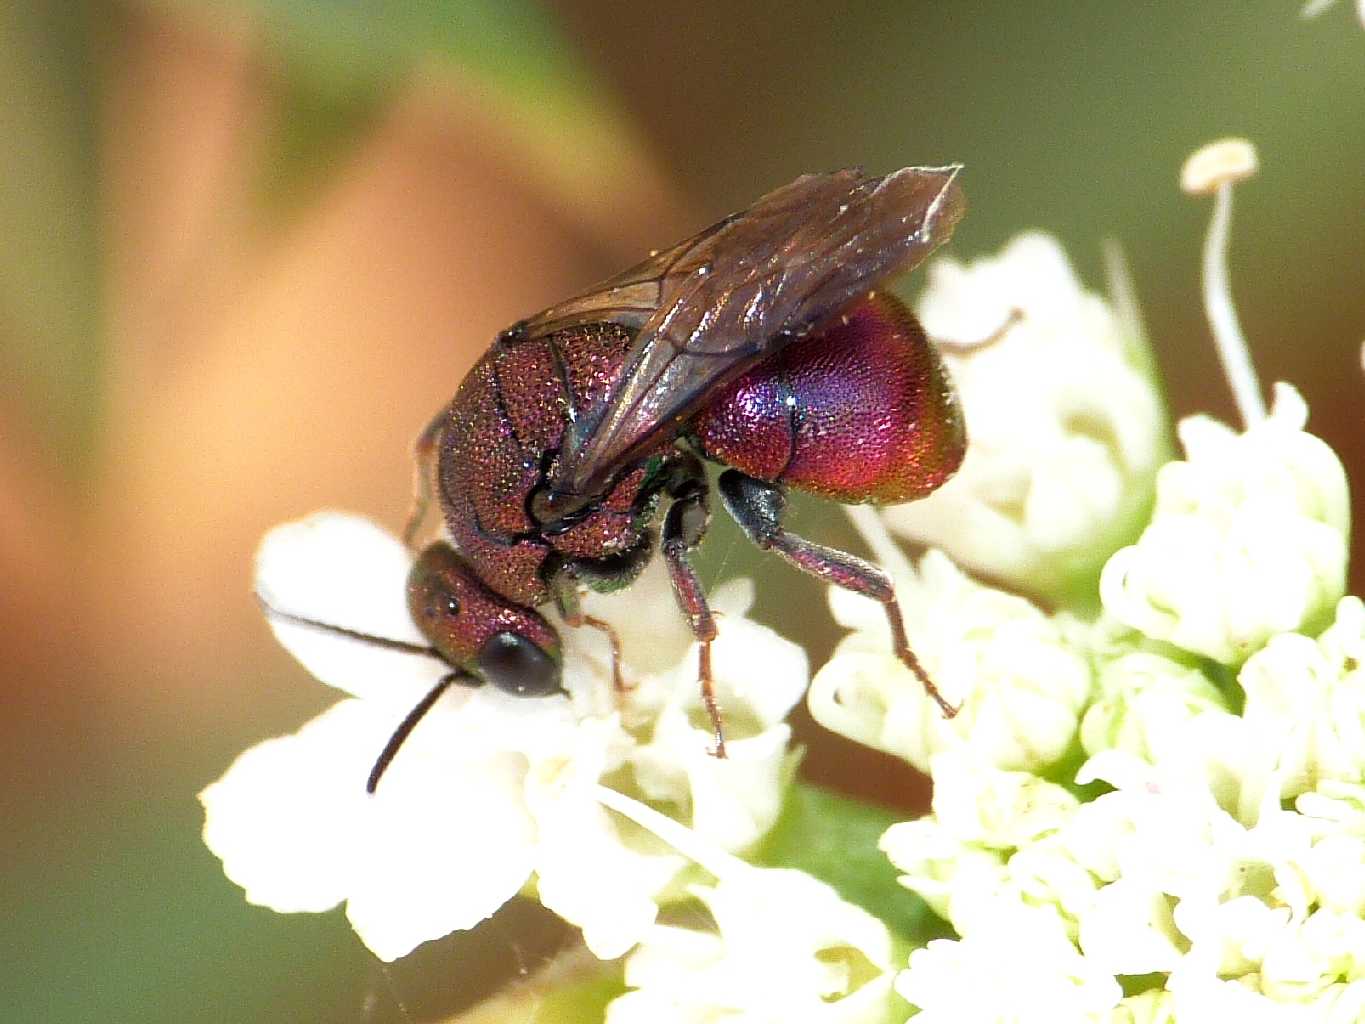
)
(684, 526)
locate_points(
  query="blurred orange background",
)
(251, 247)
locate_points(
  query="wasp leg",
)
(423, 461)
(410, 721)
(758, 506)
(564, 587)
(684, 527)
(565, 575)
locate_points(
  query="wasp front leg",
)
(758, 506)
(564, 587)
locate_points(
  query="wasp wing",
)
(712, 306)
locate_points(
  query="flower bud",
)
(1248, 539)
(1305, 702)
(1145, 697)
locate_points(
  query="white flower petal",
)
(489, 790)
(339, 568)
(294, 827)
(1331, 867)
(1128, 929)
(587, 871)
(279, 817)
(589, 876)
(1306, 960)
(980, 804)
(732, 802)
(1305, 702)
(344, 571)
(663, 974)
(1198, 994)
(439, 851)
(1147, 698)
(1155, 1006)
(1047, 873)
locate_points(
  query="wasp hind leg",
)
(758, 506)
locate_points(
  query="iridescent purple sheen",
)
(861, 411)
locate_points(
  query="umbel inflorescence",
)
(1151, 806)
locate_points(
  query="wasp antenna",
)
(402, 646)
(409, 723)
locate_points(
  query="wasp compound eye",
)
(515, 665)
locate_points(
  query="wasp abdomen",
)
(858, 411)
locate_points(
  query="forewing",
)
(711, 307)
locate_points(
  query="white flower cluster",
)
(492, 794)
(1248, 538)
(1248, 920)
(1064, 420)
(1226, 865)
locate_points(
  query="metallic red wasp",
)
(762, 344)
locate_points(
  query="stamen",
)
(965, 346)
(1214, 169)
(715, 860)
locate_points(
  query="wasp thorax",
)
(476, 629)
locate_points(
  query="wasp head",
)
(478, 630)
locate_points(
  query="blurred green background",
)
(250, 246)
